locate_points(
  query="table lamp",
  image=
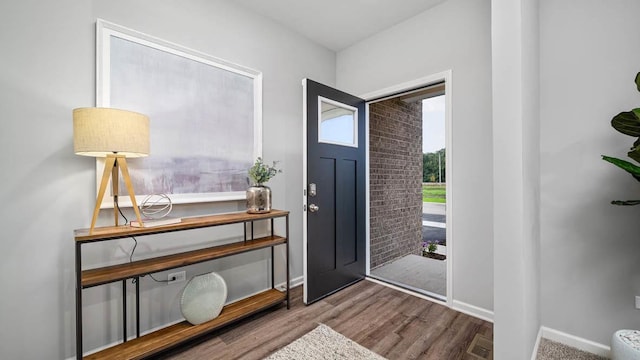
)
(115, 135)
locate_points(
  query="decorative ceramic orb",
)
(203, 298)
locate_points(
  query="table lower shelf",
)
(174, 335)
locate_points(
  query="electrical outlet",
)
(176, 277)
(637, 302)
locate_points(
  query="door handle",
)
(313, 208)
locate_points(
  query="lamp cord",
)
(135, 245)
(126, 221)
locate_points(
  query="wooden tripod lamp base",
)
(114, 163)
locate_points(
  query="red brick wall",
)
(395, 129)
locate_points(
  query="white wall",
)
(590, 249)
(516, 177)
(46, 70)
(453, 35)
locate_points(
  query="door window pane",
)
(337, 123)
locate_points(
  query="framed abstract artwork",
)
(205, 115)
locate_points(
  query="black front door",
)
(335, 190)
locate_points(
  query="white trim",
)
(448, 119)
(377, 95)
(292, 283)
(111, 29)
(472, 310)
(367, 195)
(130, 337)
(418, 295)
(424, 81)
(575, 341)
(534, 353)
(354, 143)
(304, 189)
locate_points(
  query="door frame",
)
(390, 92)
(304, 187)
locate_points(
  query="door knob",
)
(314, 208)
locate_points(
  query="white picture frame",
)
(205, 115)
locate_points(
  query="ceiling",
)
(338, 24)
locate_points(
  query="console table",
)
(171, 336)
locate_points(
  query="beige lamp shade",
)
(99, 132)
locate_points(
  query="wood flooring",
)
(389, 322)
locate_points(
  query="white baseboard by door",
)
(460, 306)
(475, 311)
(571, 340)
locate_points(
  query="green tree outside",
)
(433, 169)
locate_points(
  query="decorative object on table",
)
(155, 209)
(115, 135)
(429, 250)
(258, 194)
(628, 123)
(156, 206)
(203, 298)
(193, 159)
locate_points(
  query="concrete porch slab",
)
(416, 271)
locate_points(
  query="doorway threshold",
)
(423, 294)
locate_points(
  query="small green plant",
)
(260, 172)
(628, 123)
(430, 246)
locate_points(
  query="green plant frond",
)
(626, 202)
(627, 122)
(260, 172)
(635, 152)
(625, 165)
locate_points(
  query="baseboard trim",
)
(130, 337)
(471, 310)
(575, 341)
(534, 354)
(292, 282)
(296, 281)
(475, 311)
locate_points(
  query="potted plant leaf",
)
(258, 194)
(628, 123)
